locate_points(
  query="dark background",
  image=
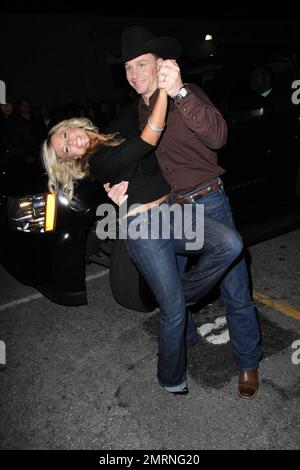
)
(56, 53)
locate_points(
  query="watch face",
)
(183, 92)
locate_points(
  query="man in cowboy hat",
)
(186, 153)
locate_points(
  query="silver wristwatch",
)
(181, 94)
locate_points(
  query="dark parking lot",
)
(84, 377)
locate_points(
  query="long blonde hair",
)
(62, 172)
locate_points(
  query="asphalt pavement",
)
(84, 377)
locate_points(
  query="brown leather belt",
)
(189, 199)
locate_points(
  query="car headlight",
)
(34, 213)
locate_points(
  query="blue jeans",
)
(235, 293)
(156, 260)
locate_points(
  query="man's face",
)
(141, 73)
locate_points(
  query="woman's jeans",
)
(235, 292)
(155, 257)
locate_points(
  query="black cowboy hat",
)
(137, 41)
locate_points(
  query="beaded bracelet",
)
(154, 127)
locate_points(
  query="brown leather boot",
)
(248, 384)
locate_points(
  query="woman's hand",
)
(117, 192)
(169, 77)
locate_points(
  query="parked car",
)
(46, 241)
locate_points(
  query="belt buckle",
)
(178, 199)
(196, 197)
(188, 199)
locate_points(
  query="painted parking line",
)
(23, 300)
(29, 298)
(286, 309)
(97, 275)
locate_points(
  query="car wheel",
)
(127, 285)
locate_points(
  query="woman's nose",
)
(71, 141)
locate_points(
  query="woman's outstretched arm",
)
(156, 122)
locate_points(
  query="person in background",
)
(6, 131)
(28, 133)
(262, 80)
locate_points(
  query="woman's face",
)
(70, 142)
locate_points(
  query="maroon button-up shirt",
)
(195, 129)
